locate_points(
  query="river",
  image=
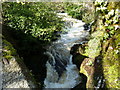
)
(61, 72)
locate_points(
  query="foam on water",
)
(67, 80)
(60, 50)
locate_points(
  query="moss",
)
(105, 42)
(88, 70)
(8, 57)
(117, 41)
(99, 34)
(8, 48)
(94, 48)
(113, 5)
(111, 64)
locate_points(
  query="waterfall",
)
(61, 72)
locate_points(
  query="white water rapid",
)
(61, 72)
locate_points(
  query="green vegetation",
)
(104, 43)
(79, 11)
(111, 63)
(76, 10)
(36, 19)
(94, 48)
(73, 10)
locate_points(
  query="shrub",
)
(73, 10)
(79, 11)
(34, 18)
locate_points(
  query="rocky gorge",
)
(95, 60)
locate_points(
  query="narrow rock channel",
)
(61, 72)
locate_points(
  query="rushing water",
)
(61, 72)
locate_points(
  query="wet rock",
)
(78, 59)
(86, 26)
(60, 67)
(15, 73)
(87, 68)
(78, 48)
(92, 69)
(82, 84)
(74, 49)
(5, 61)
(77, 51)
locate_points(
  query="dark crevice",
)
(77, 60)
(98, 74)
(82, 84)
(30, 50)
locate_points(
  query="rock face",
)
(88, 70)
(102, 64)
(15, 73)
(77, 50)
(13, 76)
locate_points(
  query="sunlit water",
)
(61, 72)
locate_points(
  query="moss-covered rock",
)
(8, 50)
(105, 44)
(94, 48)
(15, 73)
(87, 68)
(111, 63)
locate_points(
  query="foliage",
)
(79, 11)
(34, 18)
(57, 6)
(88, 16)
(109, 18)
(74, 10)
